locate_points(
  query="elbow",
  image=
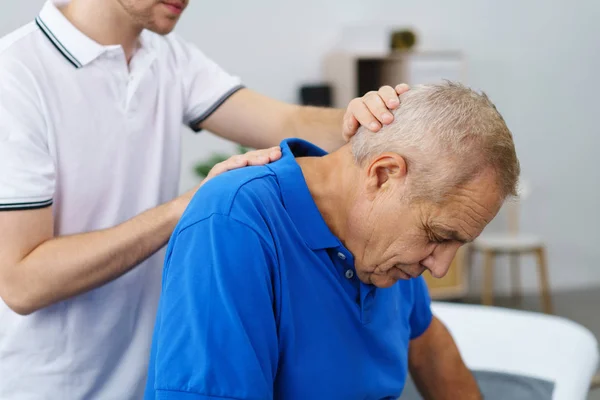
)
(17, 297)
(20, 307)
(20, 304)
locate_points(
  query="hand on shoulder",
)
(255, 157)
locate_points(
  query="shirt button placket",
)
(349, 273)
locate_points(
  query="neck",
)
(331, 181)
(105, 22)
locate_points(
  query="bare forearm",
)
(438, 369)
(258, 121)
(449, 382)
(69, 265)
(321, 126)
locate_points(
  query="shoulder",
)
(22, 76)
(228, 214)
(24, 50)
(22, 65)
(18, 42)
(245, 194)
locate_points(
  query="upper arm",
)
(22, 231)
(435, 350)
(420, 316)
(430, 341)
(206, 86)
(423, 342)
(218, 102)
(27, 175)
(252, 119)
(216, 331)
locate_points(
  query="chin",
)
(383, 282)
(163, 28)
(384, 285)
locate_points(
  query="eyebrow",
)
(450, 234)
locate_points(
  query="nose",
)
(440, 259)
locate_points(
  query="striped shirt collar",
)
(76, 47)
(73, 44)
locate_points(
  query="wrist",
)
(175, 209)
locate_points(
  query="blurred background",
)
(538, 60)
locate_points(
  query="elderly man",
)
(301, 279)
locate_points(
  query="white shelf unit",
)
(351, 75)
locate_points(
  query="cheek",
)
(386, 236)
(410, 248)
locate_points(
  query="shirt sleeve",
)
(421, 314)
(216, 332)
(206, 85)
(27, 171)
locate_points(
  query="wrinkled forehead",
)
(471, 207)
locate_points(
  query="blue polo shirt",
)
(260, 300)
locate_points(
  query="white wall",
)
(537, 59)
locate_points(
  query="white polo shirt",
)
(100, 142)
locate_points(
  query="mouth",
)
(410, 274)
(176, 7)
(404, 275)
(398, 271)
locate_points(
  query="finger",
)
(389, 96)
(236, 161)
(377, 107)
(263, 151)
(258, 159)
(233, 162)
(365, 117)
(350, 127)
(218, 169)
(402, 88)
(274, 153)
(263, 156)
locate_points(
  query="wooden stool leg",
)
(469, 256)
(515, 275)
(487, 294)
(544, 284)
(595, 382)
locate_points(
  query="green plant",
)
(202, 168)
(404, 39)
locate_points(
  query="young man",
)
(92, 98)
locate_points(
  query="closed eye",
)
(437, 240)
(450, 236)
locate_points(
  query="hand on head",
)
(372, 110)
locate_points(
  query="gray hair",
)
(447, 133)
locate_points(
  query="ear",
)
(385, 170)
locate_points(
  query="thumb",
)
(350, 127)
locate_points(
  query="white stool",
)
(513, 245)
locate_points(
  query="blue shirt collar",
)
(297, 198)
